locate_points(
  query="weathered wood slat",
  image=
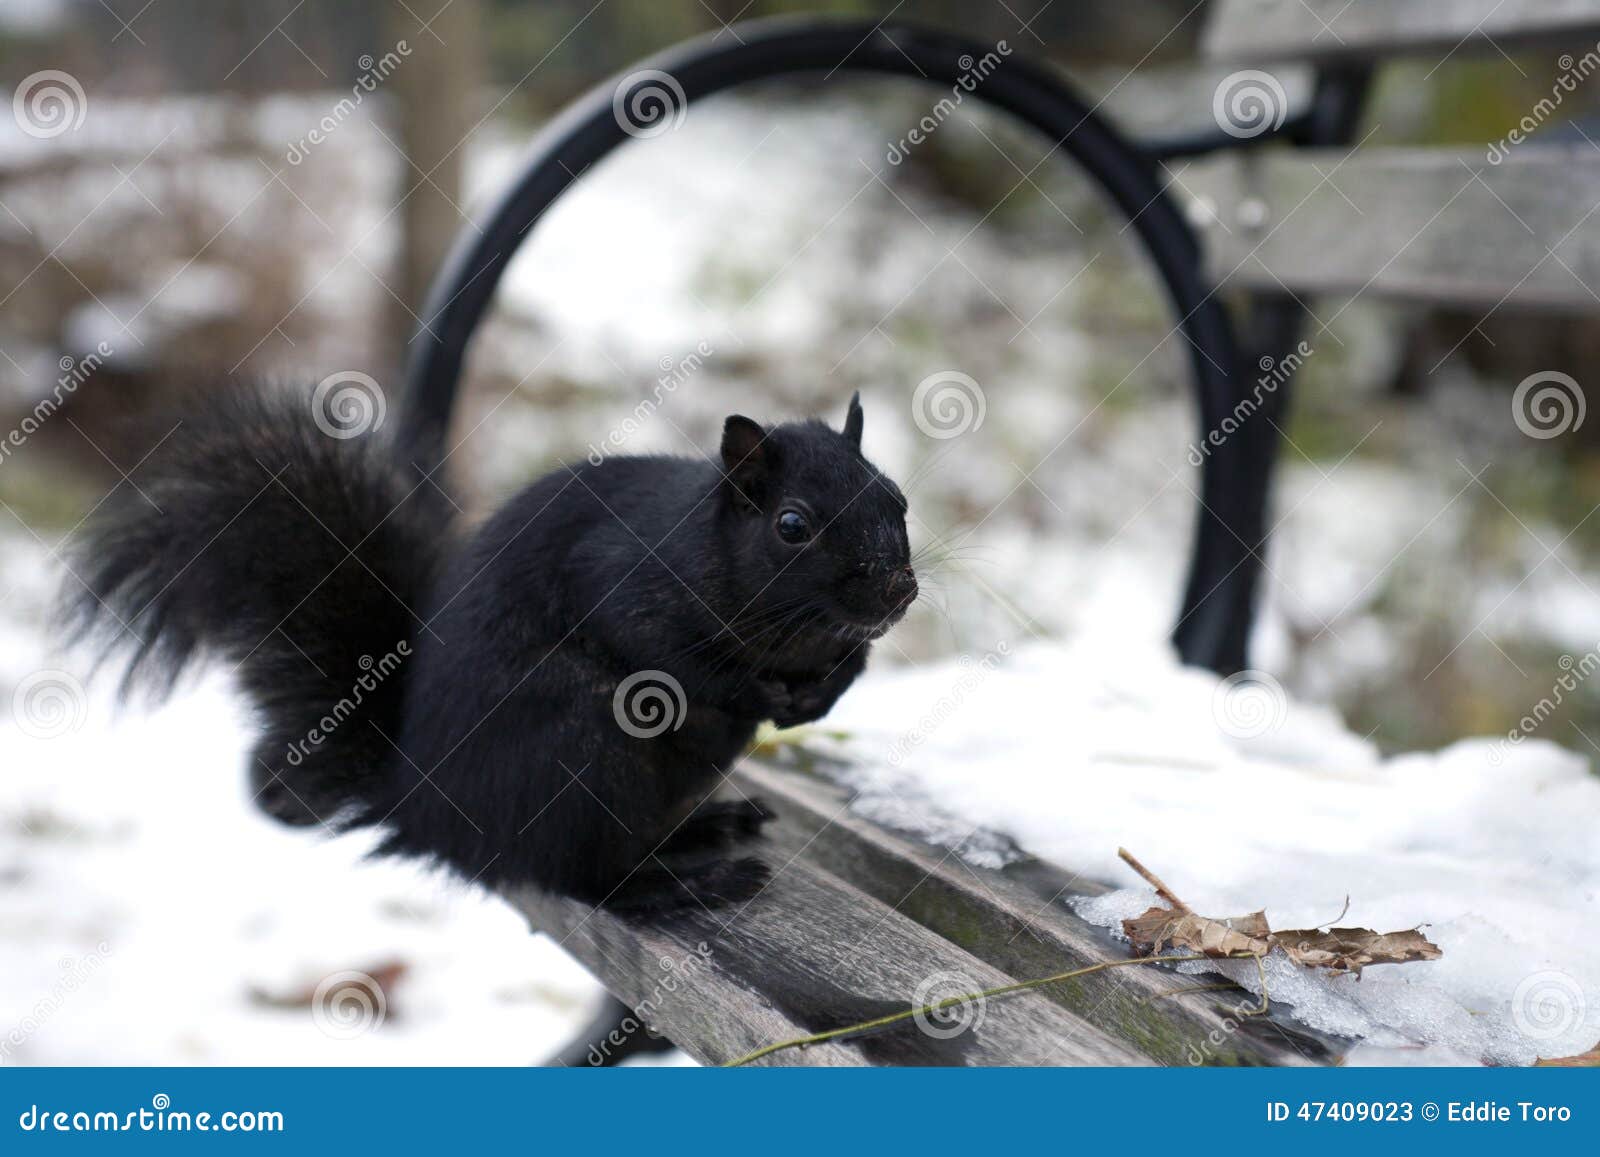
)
(812, 953)
(859, 920)
(1268, 30)
(1015, 920)
(1440, 224)
(663, 974)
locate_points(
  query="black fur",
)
(518, 741)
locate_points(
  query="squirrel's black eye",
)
(793, 526)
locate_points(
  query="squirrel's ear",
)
(853, 421)
(744, 459)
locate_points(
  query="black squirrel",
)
(561, 688)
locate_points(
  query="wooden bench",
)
(1444, 225)
(860, 922)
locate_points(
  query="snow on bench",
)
(908, 869)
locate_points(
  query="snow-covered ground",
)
(149, 915)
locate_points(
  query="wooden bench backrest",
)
(1278, 30)
(1517, 220)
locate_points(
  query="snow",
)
(149, 915)
(1241, 799)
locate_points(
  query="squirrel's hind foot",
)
(718, 825)
(664, 889)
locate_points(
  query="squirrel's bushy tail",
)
(299, 557)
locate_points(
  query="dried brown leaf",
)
(1336, 949)
(1351, 949)
(1161, 928)
(1590, 1059)
(383, 976)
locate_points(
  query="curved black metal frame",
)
(1216, 613)
(1214, 624)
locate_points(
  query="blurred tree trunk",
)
(436, 91)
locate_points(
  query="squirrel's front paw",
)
(810, 701)
(774, 699)
(807, 702)
(787, 704)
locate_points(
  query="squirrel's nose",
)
(902, 586)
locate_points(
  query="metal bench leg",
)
(1219, 603)
(614, 1035)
